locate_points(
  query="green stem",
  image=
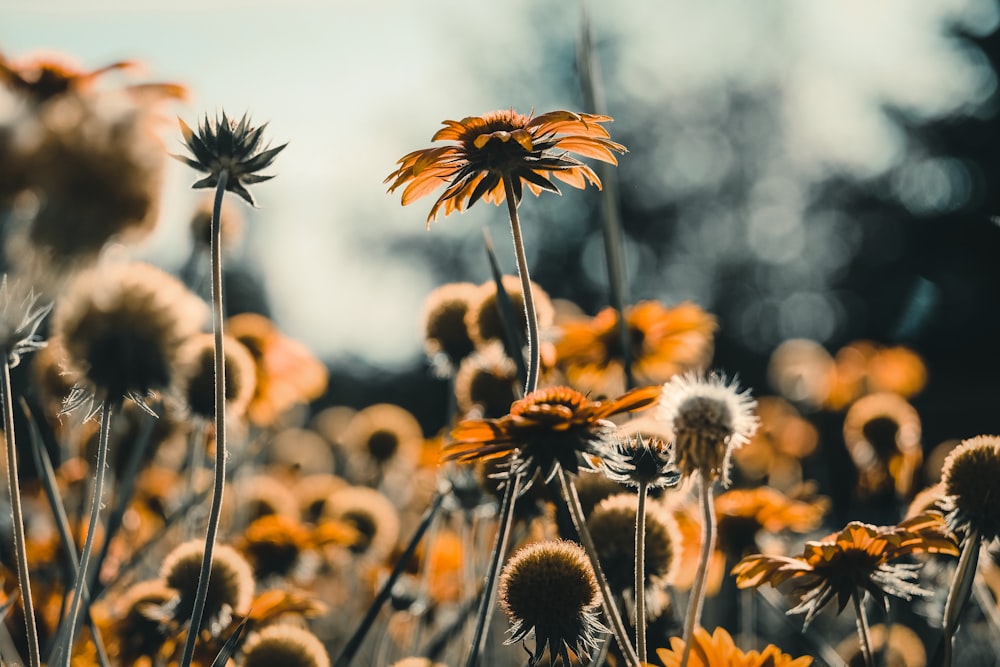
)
(864, 634)
(959, 592)
(79, 590)
(534, 354)
(218, 317)
(506, 519)
(20, 550)
(697, 597)
(640, 574)
(607, 598)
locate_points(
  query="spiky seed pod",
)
(642, 459)
(123, 326)
(971, 479)
(230, 589)
(285, 645)
(548, 589)
(226, 145)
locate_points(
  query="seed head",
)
(971, 479)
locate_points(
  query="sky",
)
(353, 86)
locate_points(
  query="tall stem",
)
(218, 317)
(864, 634)
(20, 550)
(88, 545)
(607, 598)
(959, 592)
(506, 519)
(534, 355)
(697, 598)
(640, 574)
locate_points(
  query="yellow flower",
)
(718, 649)
(504, 145)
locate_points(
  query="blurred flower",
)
(232, 222)
(802, 371)
(20, 317)
(864, 367)
(858, 558)
(642, 460)
(718, 650)
(445, 563)
(225, 145)
(259, 495)
(446, 336)
(372, 514)
(298, 452)
(483, 319)
(273, 544)
(706, 418)
(775, 451)
(504, 145)
(198, 364)
(743, 513)
(379, 439)
(548, 590)
(287, 373)
(285, 645)
(486, 383)
(230, 585)
(546, 428)
(971, 479)
(904, 647)
(664, 342)
(882, 434)
(123, 327)
(136, 631)
(417, 662)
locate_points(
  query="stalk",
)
(697, 598)
(607, 598)
(506, 519)
(864, 634)
(218, 315)
(534, 355)
(79, 590)
(20, 550)
(640, 574)
(959, 592)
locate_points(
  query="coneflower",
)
(285, 645)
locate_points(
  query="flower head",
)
(642, 459)
(548, 589)
(371, 514)
(546, 428)
(882, 434)
(230, 146)
(504, 146)
(20, 317)
(446, 336)
(706, 418)
(285, 645)
(744, 513)
(971, 479)
(719, 649)
(198, 360)
(486, 382)
(858, 558)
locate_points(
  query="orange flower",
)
(557, 425)
(719, 649)
(858, 557)
(664, 342)
(504, 145)
(287, 373)
(743, 513)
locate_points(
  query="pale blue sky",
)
(355, 85)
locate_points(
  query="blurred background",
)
(821, 170)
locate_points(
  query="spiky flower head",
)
(971, 479)
(285, 645)
(706, 418)
(20, 316)
(548, 589)
(223, 144)
(642, 459)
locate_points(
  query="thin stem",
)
(506, 519)
(218, 317)
(640, 573)
(697, 597)
(79, 590)
(20, 550)
(607, 598)
(351, 648)
(959, 592)
(864, 634)
(534, 355)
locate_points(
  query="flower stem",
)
(79, 589)
(864, 635)
(506, 519)
(218, 316)
(640, 574)
(534, 354)
(697, 597)
(607, 598)
(959, 592)
(20, 550)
